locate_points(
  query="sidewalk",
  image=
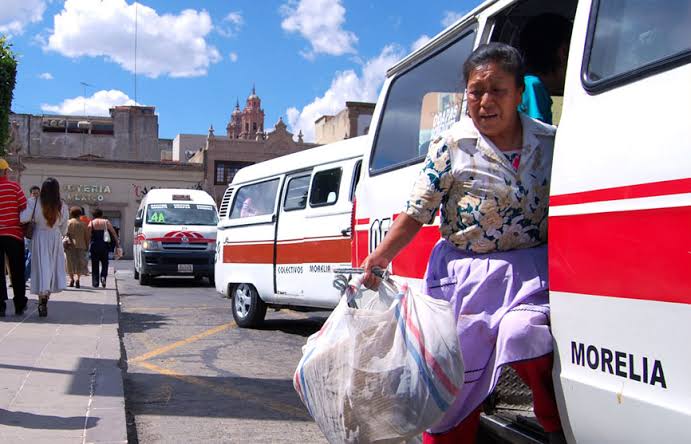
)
(59, 376)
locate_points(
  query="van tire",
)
(136, 274)
(248, 308)
(144, 279)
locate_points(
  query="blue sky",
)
(194, 58)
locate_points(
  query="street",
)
(194, 376)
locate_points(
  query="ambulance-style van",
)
(620, 205)
(175, 234)
(284, 225)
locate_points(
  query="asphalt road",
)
(194, 376)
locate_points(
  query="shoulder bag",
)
(28, 227)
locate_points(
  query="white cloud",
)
(420, 42)
(450, 17)
(233, 57)
(15, 15)
(345, 86)
(167, 44)
(319, 21)
(45, 76)
(234, 22)
(96, 105)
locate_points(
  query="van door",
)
(619, 219)
(246, 236)
(313, 234)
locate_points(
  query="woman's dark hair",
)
(75, 212)
(97, 213)
(50, 200)
(541, 39)
(506, 56)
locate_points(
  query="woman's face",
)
(493, 98)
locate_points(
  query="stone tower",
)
(235, 125)
(252, 118)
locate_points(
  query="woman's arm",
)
(401, 233)
(113, 234)
(89, 229)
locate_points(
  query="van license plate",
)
(185, 268)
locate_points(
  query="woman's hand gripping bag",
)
(382, 373)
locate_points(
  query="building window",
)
(225, 171)
(254, 126)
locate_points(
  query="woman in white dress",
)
(48, 258)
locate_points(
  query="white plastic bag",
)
(382, 373)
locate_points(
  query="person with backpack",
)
(101, 235)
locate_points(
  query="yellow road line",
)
(189, 340)
(228, 391)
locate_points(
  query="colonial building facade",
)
(246, 142)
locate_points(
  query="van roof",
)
(170, 195)
(332, 152)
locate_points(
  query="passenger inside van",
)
(544, 42)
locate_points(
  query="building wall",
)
(116, 187)
(277, 143)
(352, 121)
(187, 143)
(133, 135)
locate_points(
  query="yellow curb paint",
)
(228, 391)
(191, 339)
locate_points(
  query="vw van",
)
(619, 216)
(175, 235)
(284, 225)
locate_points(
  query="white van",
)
(175, 234)
(284, 225)
(620, 205)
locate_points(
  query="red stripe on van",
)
(248, 254)
(309, 251)
(664, 188)
(318, 251)
(412, 260)
(641, 254)
(360, 247)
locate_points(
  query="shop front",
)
(116, 187)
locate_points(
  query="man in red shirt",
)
(12, 202)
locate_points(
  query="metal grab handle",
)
(344, 275)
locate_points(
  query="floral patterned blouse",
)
(489, 202)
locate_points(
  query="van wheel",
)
(248, 308)
(144, 279)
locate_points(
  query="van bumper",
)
(171, 263)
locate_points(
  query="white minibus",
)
(284, 225)
(175, 234)
(620, 206)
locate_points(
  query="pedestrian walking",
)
(490, 176)
(75, 242)
(47, 256)
(34, 192)
(12, 203)
(101, 234)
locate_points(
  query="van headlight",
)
(151, 245)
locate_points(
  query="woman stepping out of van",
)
(491, 262)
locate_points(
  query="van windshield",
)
(181, 214)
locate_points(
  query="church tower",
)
(235, 125)
(252, 120)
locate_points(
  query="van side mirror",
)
(138, 222)
(331, 198)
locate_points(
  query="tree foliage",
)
(8, 77)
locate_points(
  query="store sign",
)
(85, 193)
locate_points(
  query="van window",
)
(325, 187)
(421, 103)
(630, 34)
(296, 194)
(257, 199)
(181, 214)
